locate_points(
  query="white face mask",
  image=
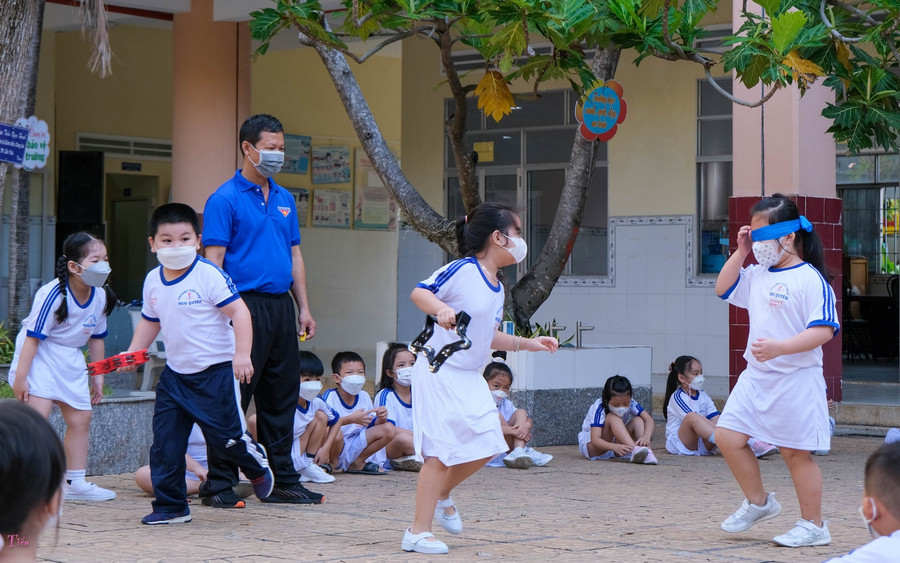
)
(309, 390)
(768, 253)
(176, 257)
(519, 249)
(619, 411)
(872, 531)
(95, 275)
(270, 162)
(697, 383)
(404, 376)
(353, 384)
(499, 396)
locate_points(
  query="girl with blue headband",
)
(780, 397)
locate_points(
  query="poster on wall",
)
(331, 165)
(301, 200)
(375, 208)
(331, 208)
(296, 154)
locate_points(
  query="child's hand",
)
(381, 413)
(642, 441)
(243, 368)
(362, 416)
(201, 474)
(20, 388)
(321, 456)
(540, 344)
(96, 389)
(765, 349)
(446, 317)
(621, 449)
(744, 241)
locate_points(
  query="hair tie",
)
(805, 224)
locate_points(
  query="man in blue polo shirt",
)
(250, 230)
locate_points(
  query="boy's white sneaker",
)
(87, 491)
(762, 449)
(315, 474)
(639, 454)
(749, 514)
(805, 534)
(518, 459)
(539, 458)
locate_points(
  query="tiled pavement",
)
(573, 509)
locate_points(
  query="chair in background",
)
(856, 340)
(156, 351)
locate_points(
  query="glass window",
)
(553, 145)
(473, 114)
(858, 169)
(715, 137)
(711, 101)
(505, 149)
(714, 169)
(889, 168)
(529, 111)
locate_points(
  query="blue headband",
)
(778, 230)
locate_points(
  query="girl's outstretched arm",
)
(513, 343)
(732, 268)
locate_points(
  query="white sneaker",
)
(540, 460)
(314, 473)
(805, 534)
(87, 491)
(450, 522)
(518, 459)
(420, 543)
(762, 449)
(749, 514)
(639, 454)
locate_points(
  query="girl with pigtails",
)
(48, 366)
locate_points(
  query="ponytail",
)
(62, 274)
(676, 368)
(473, 231)
(813, 252)
(111, 300)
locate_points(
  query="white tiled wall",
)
(651, 298)
(571, 368)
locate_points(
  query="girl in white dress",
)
(456, 429)
(48, 366)
(780, 397)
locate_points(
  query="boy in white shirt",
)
(363, 426)
(207, 332)
(880, 508)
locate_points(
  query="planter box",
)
(558, 389)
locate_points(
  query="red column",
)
(825, 215)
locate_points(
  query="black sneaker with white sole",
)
(294, 493)
(226, 498)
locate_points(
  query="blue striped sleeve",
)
(679, 400)
(38, 331)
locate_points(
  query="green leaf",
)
(770, 6)
(652, 8)
(751, 74)
(786, 28)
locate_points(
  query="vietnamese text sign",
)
(37, 147)
(12, 143)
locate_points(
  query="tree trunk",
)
(19, 285)
(18, 17)
(415, 209)
(535, 286)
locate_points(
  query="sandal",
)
(368, 469)
(420, 543)
(450, 522)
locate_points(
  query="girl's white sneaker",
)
(87, 491)
(450, 522)
(805, 534)
(421, 544)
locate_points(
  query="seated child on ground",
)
(880, 508)
(617, 426)
(317, 436)
(396, 396)
(515, 423)
(691, 414)
(363, 426)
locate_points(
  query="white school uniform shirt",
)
(455, 416)
(362, 401)
(507, 409)
(681, 404)
(879, 550)
(196, 332)
(596, 418)
(399, 413)
(302, 418)
(196, 448)
(782, 401)
(58, 371)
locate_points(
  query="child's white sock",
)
(712, 437)
(75, 476)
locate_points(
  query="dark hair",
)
(387, 362)
(32, 465)
(496, 368)
(615, 385)
(310, 364)
(255, 125)
(174, 213)
(341, 358)
(883, 477)
(75, 248)
(779, 208)
(680, 366)
(474, 230)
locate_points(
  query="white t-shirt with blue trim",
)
(362, 401)
(399, 413)
(196, 332)
(681, 404)
(596, 417)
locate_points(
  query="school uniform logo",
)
(284, 210)
(189, 297)
(89, 324)
(779, 294)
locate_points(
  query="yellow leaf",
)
(804, 70)
(843, 56)
(494, 97)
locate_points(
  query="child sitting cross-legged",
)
(396, 396)
(364, 427)
(617, 426)
(317, 436)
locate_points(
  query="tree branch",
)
(832, 29)
(739, 101)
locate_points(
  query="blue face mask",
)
(270, 162)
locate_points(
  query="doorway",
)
(130, 201)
